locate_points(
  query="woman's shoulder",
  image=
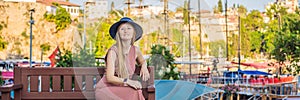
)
(113, 47)
(136, 48)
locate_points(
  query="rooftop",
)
(61, 2)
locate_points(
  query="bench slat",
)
(78, 83)
(34, 83)
(45, 83)
(62, 71)
(56, 83)
(89, 80)
(67, 83)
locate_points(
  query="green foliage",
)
(1, 27)
(24, 34)
(274, 10)
(185, 12)
(103, 39)
(220, 6)
(65, 60)
(251, 26)
(242, 10)
(215, 9)
(215, 48)
(84, 59)
(232, 46)
(163, 62)
(62, 18)
(177, 37)
(49, 17)
(3, 44)
(81, 59)
(287, 43)
(112, 5)
(45, 47)
(1, 81)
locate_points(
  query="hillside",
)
(15, 17)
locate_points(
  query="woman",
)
(120, 60)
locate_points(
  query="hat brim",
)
(114, 29)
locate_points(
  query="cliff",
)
(14, 16)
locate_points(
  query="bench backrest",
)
(58, 83)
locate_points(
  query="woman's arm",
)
(110, 68)
(142, 62)
(110, 72)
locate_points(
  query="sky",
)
(205, 4)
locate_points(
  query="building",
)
(95, 9)
(73, 9)
(291, 5)
(145, 10)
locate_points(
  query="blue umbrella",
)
(179, 90)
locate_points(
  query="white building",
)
(95, 9)
(73, 9)
(145, 10)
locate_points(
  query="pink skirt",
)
(107, 91)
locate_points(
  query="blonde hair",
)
(123, 69)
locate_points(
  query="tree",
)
(220, 6)
(215, 9)
(62, 18)
(45, 47)
(251, 27)
(274, 10)
(185, 12)
(112, 6)
(216, 46)
(242, 10)
(103, 39)
(81, 59)
(163, 61)
(287, 44)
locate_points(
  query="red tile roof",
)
(61, 2)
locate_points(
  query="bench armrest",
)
(9, 88)
(151, 92)
(5, 90)
(151, 89)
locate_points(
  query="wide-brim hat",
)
(114, 28)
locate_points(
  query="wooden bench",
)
(73, 83)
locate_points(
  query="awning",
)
(256, 65)
(179, 90)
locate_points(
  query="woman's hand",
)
(144, 73)
(134, 84)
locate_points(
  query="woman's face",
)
(126, 31)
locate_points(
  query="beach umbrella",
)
(179, 90)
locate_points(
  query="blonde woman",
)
(120, 62)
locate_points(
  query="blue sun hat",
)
(114, 28)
